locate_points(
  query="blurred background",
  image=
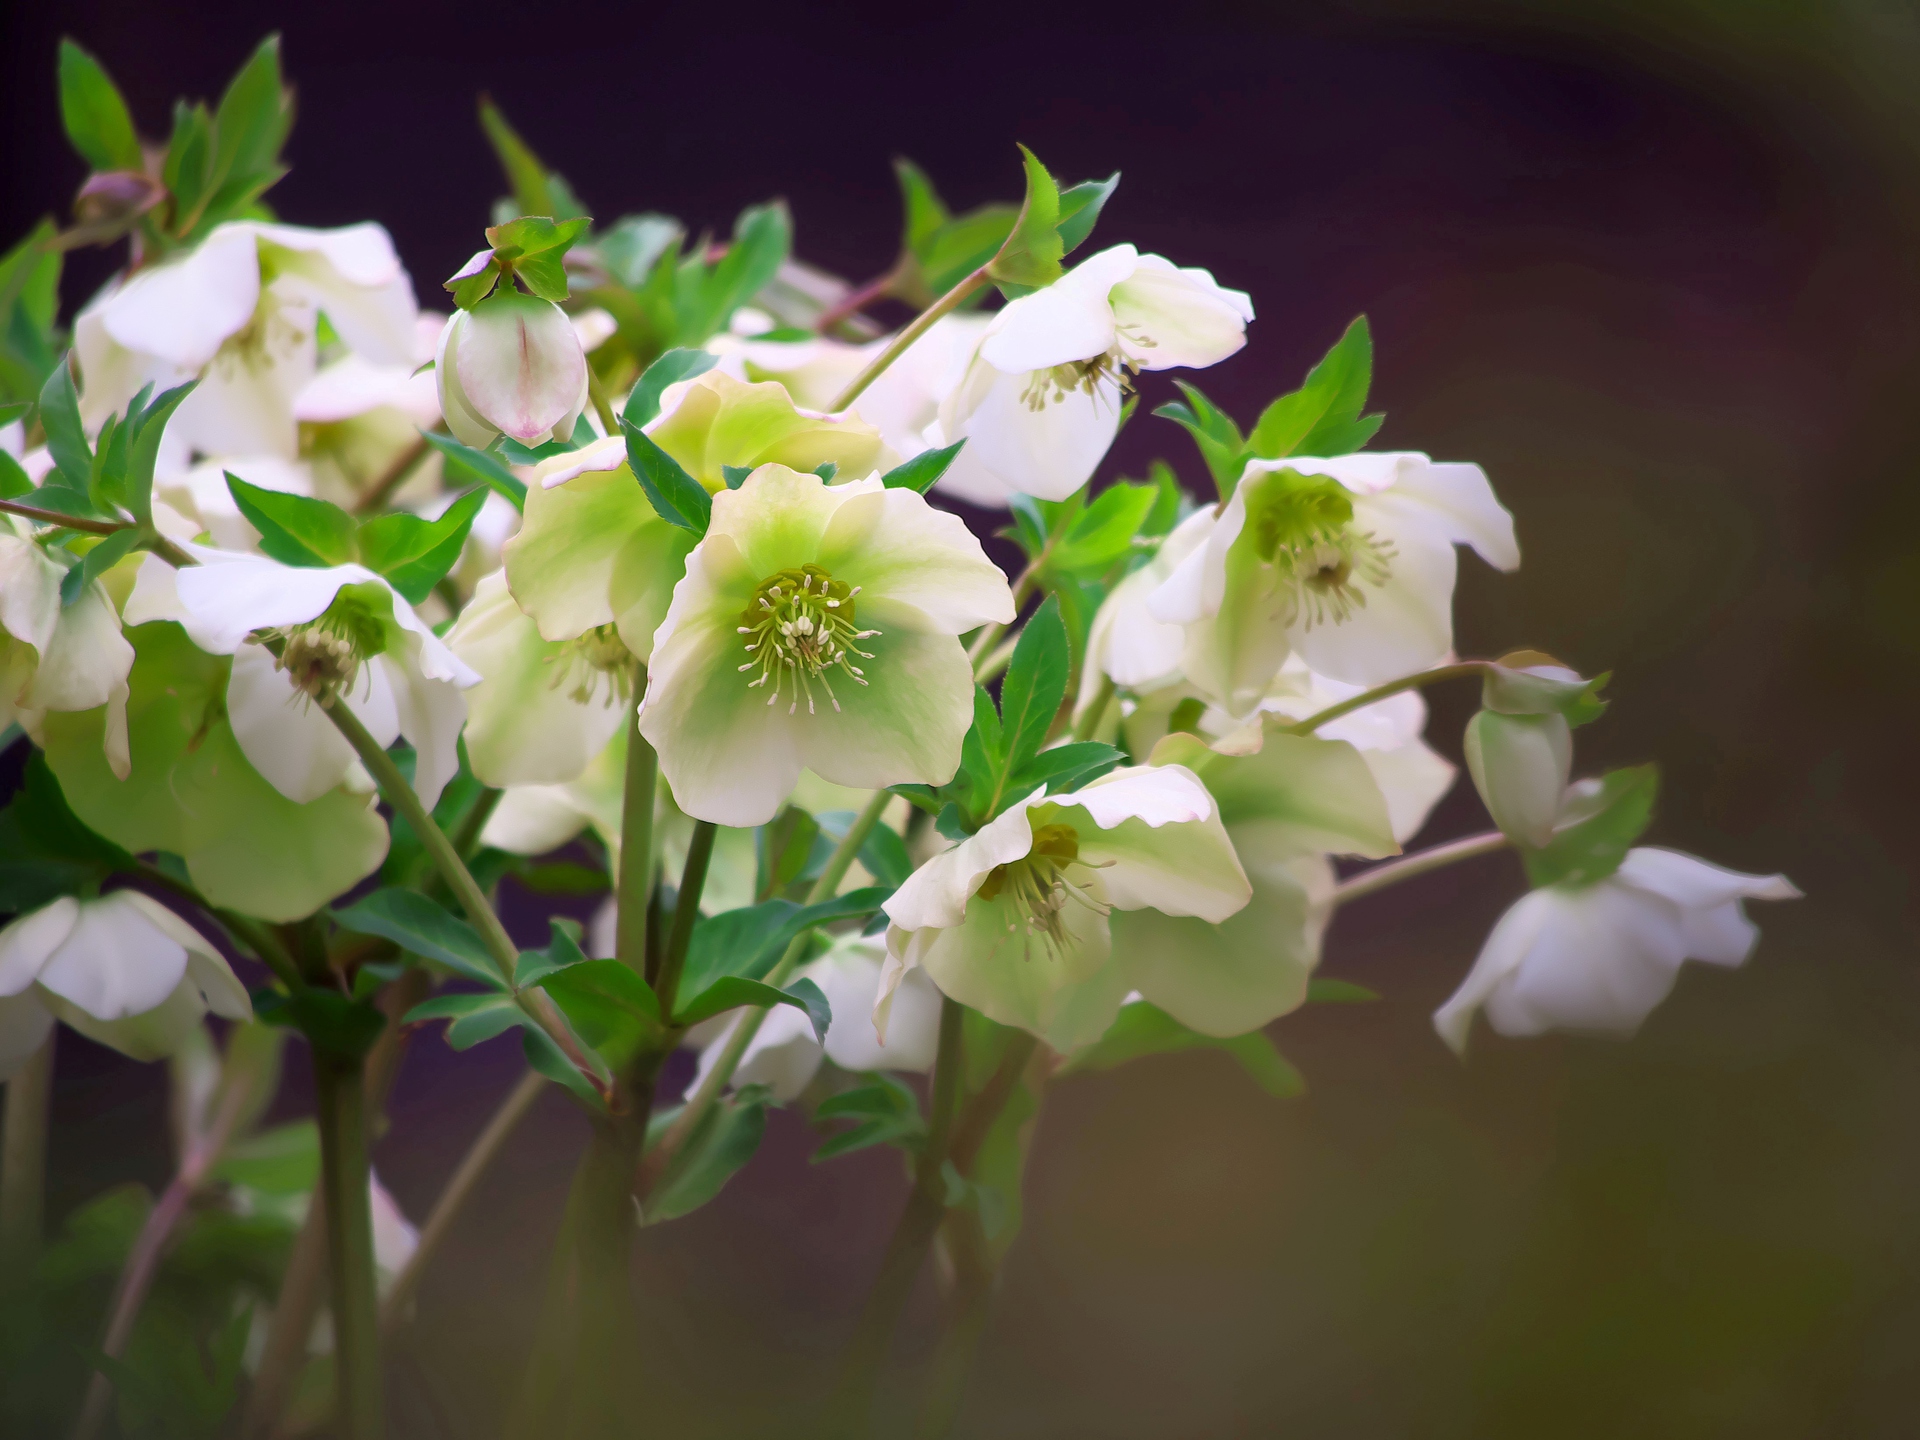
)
(1657, 267)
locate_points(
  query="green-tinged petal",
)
(520, 365)
(718, 421)
(152, 1035)
(575, 539)
(1155, 835)
(895, 545)
(541, 711)
(1233, 977)
(777, 519)
(1301, 794)
(533, 819)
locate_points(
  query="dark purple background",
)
(1654, 266)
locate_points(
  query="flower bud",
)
(512, 365)
(1520, 765)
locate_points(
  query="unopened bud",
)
(511, 365)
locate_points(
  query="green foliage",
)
(95, 114)
(45, 850)
(679, 498)
(884, 1111)
(743, 944)
(531, 249)
(420, 927)
(1030, 256)
(783, 849)
(609, 1006)
(1600, 822)
(1142, 1029)
(336, 1025)
(919, 473)
(1321, 418)
(725, 1140)
(707, 292)
(29, 299)
(412, 554)
(536, 190)
(676, 365)
(1527, 682)
(461, 463)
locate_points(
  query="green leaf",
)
(1031, 254)
(98, 560)
(1080, 208)
(1104, 532)
(66, 437)
(735, 475)
(730, 992)
(925, 211)
(143, 449)
(336, 1026)
(252, 122)
(516, 453)
(1064, 768)
(982, 758)
(475, 280)
(45, 850)
(295, 529)
(675, 365)
(96, 116)
(415, 554)
(920, 472)
(723, 1142)
(884, 854)
(1035, 684)
(744, 942)
(462, 463)
(416, 924)
(678, 497)
(886, 1112)
(563, 949)
(1598, 825)
(1142, 1029)
(188, 169)
(282, 1161)
(608, 1004)
(525, 173)
(476, 1018)
(707, 295)
(546, 1057)
(1214, 432)
(1323, 416)
(1326, 991)
(14, 480)
(1527, 682)
(535, 247)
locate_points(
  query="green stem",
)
(340, 1099)
(974, 1274)
(65, 521)
(596, 393)
(986, 669)
(686, 910)
(500, 947)
(1089, 723)
(978, 652)
(945, 305)
(662, 1155)
(459, 1189)
(635, 887)
(393, 477)
(473, 824)
(23, 1165)
(907, 1247)
(1380, 877)
(1461, 671)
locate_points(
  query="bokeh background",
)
(1655, 266)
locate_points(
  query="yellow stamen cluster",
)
(1303, 526)
(1050, 387)
(1039, 890)
(800, 624)
(599, 657)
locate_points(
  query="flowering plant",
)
(304, 660)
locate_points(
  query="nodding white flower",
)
(543, 709)
(55, 656)
(240, 312)
(1126, 643)
(344, 631)
(1040, 401)
(121, 969)
(359, 417)
(1597, 958)
(512, 365)
(1015, 920)
(592, 551)
(1348, 561)
(785, 1054)
(817, 627)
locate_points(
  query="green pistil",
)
(1038, 889)
(800, 624)
(1302, 525)
(325, 654)
(589, 661)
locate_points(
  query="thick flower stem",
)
(907, 1248)
(23, 1165)
(1381, 877)
(686, 911)
(340, 1099)
(635, 889)
(1466, 669)
(945, 305)
(399, 794)
(968, 1308)
(662, 1154)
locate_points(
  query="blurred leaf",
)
(1322, 991)
(783, 847)
(1080, 209)
(678, 498)
(706, 295)
(415, 554)
(335, 1025)
(66, 437)
(417, 925)
(644, 403)
(885, 1111)
(1214, 432)
(461, 463)
(1031, 254)
(94, 113)
(99, 559)
(920, 473)
(295, 529)
(1598, 825)
(608, 1004)
(1323, 416)
(1142, 1029)
(282, 1161)
(725, 1140)
(730, 992)
(1035, 684)
(525, 172)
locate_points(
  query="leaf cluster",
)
(412, 554)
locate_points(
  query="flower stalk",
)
(1382, 877)
(924, 322)
(635, 887)
(341, 1102)
(23, 1165)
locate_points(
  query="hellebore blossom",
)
(592, 552)
(1040, 400)
(121, 969)
(1598, 957)
(1015, 920)
(1348, 561)
(240, 311)
(55, 656)
(359, 417)
(511, 365)
(784, 1053)
(817, 627)
(344, 631)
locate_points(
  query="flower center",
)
(325, 654)
(1302, 525)
(599, 657)
(799, 625)
(1038, 887)
(1050, 387)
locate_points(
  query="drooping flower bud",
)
(511, 365)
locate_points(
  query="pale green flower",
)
(1019, 920)
(817, 628)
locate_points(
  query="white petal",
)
(182, 310)
(935, 896)
(896, 546)
(227, 597)
(431, 712)
(849, 976)
(1068, 320)
(29, 942)
(1606, 959)
(87, 658)
(468, 425)
(29, 591)
(1507, 945)
(1412, 779)
(1166, 317)
(1156, 840)
(1460, 495)
(115, 962)
(520, 364)
(1048, 452)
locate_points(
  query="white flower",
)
(511, 365)
(122, 969)
(1126, 643)
(1040, 401)
(344, 629)
(784, 1053)
(817, 627)
(239, 311)
(1013, 921)
(1598, 958)
(359, 417)
(1348, 561)
(55, 656)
